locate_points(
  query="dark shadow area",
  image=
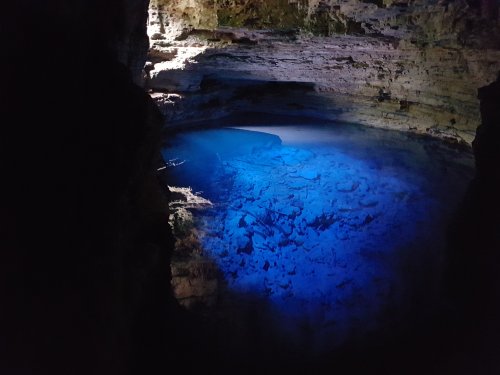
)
(84, 260)
(228, 100)
(474, 236)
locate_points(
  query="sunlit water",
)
(338, 230)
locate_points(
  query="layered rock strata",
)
(402, 66)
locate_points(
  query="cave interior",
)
(175, 171)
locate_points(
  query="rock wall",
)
(427, 20)
(131, 41)
(84, 227)
(474, 241)
(407, 65)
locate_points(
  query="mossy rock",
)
(260, 14)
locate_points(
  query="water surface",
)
(338, 231)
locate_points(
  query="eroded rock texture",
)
(402, 65)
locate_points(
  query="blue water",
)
(339, 230)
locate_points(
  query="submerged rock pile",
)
(326, 233)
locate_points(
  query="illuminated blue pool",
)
(338, 229)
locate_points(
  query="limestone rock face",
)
(425, 20)
(167, 17)
(406, 65)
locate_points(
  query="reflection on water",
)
(339, 231)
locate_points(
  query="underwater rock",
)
(322, 222)
(368, 201)
(347, 186)
(307, 175)
(244, 244)
(266, 266)
(293, 247)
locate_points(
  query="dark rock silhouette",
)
(84, 224)
(474, 248)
